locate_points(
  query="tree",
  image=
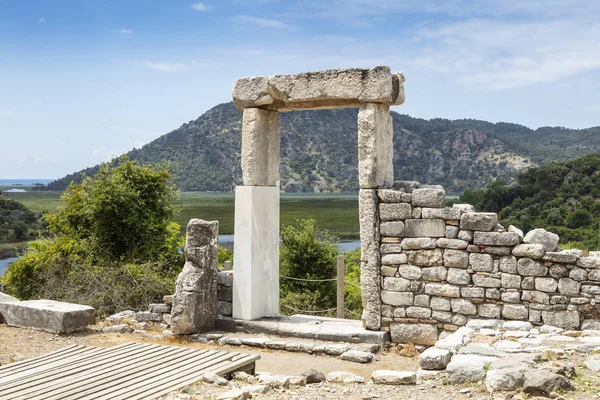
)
(307, 252)
(121, 214)
(113, 246)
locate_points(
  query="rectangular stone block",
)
(47, 315)
(397, 298)
(442, 290)
(496, 238)
(260, 147)
(442, 213)
(392, 229)
(428, 197)
(419, 243)
(478, 221)
(256, 253)
(425, 334)
(390, 195)
(394, 211)
(425, 228)
(560, 257)
(334, 88)
(375, 147)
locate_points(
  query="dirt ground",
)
(17, 344)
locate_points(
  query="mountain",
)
(319, 151)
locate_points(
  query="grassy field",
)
(336, 213)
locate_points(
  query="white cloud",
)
(593, 108)
(259, 22)
(165, 67)
(501, 54)
(124, 31)
(9, 114)
(99, 156)
(199, 7)
(42, 19)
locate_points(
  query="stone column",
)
(375, 146)
(375, 170)
(260, 147)
(195, 301)
(256, 244)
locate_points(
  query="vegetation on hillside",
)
(562, 197)
(114, 245)
(17, 222)
(319, 151)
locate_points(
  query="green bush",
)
(113, 246)
(307, 252)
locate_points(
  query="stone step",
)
(308, 327)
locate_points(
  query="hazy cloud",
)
(42, 19)
(165, 67)
(259, 22)
(199, 7)
(124, 31)
(8, 114)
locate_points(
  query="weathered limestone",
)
(541, 236)
(426, 197)
(256, 252)
(426, 334)
(335, 88)
(47, 315)
(375, 147)
(416, 228)
(260, 147)
(194, 307)
(370, 259)
(478, 221)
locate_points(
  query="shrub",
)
(307, 252)
(112, 246)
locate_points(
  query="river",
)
(5, 262)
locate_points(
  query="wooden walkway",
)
(128, 371)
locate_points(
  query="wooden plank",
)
(138, 390)
(128, 371)
(43, 369)
(58, 387)
(124, 381)
(8, 368)
(77, 365)
(220, 369)
(95, 380)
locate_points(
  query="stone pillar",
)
(375, 170)
(256, 252)
(256, 244)
(260, 147)
(375, 147)
(195, 300)
(370, 262)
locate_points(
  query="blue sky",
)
(81, 81)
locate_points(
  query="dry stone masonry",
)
(443, 266)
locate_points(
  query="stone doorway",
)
(256, 248)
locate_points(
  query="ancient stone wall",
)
(442, 266)
(225, 293)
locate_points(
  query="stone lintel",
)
(334, 88)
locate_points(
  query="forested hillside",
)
(562, 197)
(17, 222)
(319, 151)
